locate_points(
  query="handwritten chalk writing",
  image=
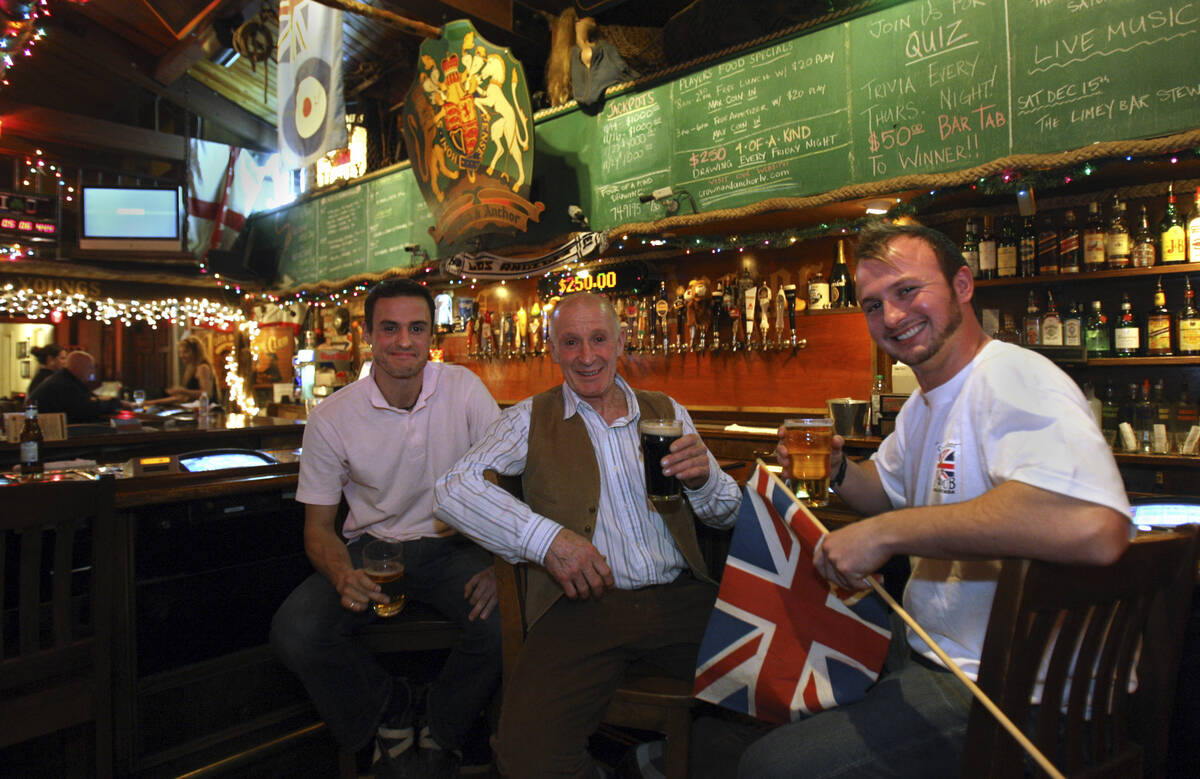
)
(882, 90)
(693, 81)
(923, 44)
(882, 27)
(634, 103)
(897, 137)
(951, 98)
(1071, 46)
(1075, 6)
(962, 68)
(820, 58)
(1060, 95)
(960, 6)
(966, 149)
(1175, 94)
(1180, 16)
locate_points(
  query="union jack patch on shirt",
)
(945, 480)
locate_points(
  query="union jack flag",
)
(783, 642)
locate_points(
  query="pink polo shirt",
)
(387, 459)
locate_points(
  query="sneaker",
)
(645, 761)
(437, 763)
(395, 748)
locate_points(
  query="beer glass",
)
(809, 443)
(139, 398)
(657, 436)
(383, 561)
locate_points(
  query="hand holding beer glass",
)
(657, 437)
(383, 561)
(809, 444)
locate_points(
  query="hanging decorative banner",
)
(484, 265)
(311, 113)
(469, 132)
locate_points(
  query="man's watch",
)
(840, 477)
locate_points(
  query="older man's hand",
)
(688, 461)
(578, 566)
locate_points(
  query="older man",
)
(997, 455)
(70, 391)
(636, 591)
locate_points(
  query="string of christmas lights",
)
(55, 304)
(20, 36)
(234, 382)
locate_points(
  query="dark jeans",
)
(314, 636)
(575, 657)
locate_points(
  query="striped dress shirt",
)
(629, 533)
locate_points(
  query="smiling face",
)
(913, 313)
(400, 335)
(585, 342)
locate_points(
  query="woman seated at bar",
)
(198, 376)
(51, 358)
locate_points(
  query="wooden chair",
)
(56, 666)
(1130, 613)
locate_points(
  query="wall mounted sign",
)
(469, 132)
(26, 217)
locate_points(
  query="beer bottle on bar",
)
(31, 442)
(1069, 251)
(1096, 336)
(1033, 321)
(1158, 325)
(1127, 336)
(1028, 249)
(1116, 241)
(1047, 246)
(970, 248)
(1172, 238)
(987, 252)
(1187, 322)
(1052, 329)
(841, 286)
(1145, 246)
(1006, 251)
(1093, 238)
(1193, 231)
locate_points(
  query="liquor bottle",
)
(987, 252)
(1005, 247)
(1127, 336)
(1033, 322)
(1008, 331)
(970, 248)
(1143, 418)
(1096, 336)
(1047, 246)
(1073, 326)
(1193, 231)
(1158, 325)
(1069, 251)
(1026, 250)
(1172, 238)
(1094, 238)
(1160, 416)
(841, 286)
(1116, 245)
(1109, 414)
(31, 442)
(1184, 416)
(1052, 328)
(818, 298)
(1144, 251)
(877, 390)
(1187, 322)
(1006, 251)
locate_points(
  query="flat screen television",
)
(140, 219)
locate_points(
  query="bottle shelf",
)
(1100, 275)
(1116, 361)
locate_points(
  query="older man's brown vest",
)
(562, 482)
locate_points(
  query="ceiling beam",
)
(46, 125)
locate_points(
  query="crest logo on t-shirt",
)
(944, 478)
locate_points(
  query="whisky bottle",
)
(1072, 326)
(1052, 327)
(1193, 231)
(1008, 331)
(1184, 416)
(1127, 336)
(1094, 238)
(31, 442)
(1047, 246)
(1026, 250)
(1116, 245)
(1172, 239)
(970, 248)
(1033, 321)
(1144, 252)
(1187, 322)
(987, 252)
(1006, 251)
(1096, 336)
(1158, 325)
(1069, 251)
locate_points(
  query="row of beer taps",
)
(739, 315)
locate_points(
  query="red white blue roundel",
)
(307, 109)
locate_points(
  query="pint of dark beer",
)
(657, 436)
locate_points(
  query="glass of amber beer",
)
(657, 437)
(383, 561)
(809, 443)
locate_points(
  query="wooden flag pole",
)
(979, 694)
(410, 26)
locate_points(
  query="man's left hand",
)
(688, 461)
(481, 592)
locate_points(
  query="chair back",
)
(1061, 620)
(56, 562)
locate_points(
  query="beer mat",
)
(736, 428)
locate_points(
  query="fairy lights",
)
(233, 379)
(200, 312)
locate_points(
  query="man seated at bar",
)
(637, 592)
(381, 442)
(997, 455)
(70, 391)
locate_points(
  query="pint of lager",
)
(383, 561)
(809, 442)
(657, 437)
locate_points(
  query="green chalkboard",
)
(390, 204)
(342, 233)
(293, 233)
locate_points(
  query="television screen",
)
(130, 218)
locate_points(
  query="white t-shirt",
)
(386, 459)
(1009, 415)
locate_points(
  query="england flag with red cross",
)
(783, 642)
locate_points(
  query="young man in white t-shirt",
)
(997, 455)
